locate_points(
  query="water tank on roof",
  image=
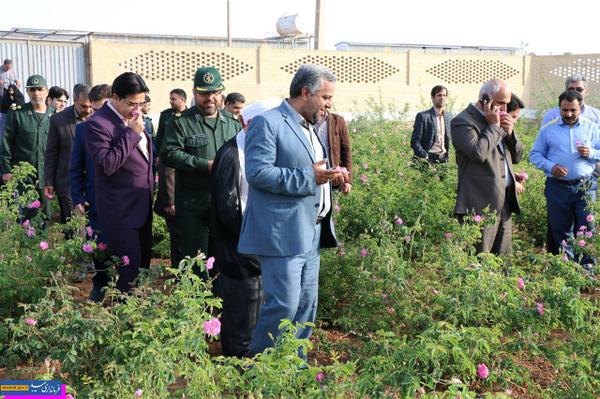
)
(292, 25)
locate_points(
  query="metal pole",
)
(228, 24)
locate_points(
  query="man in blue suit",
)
(288, 213)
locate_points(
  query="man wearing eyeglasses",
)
(122, 155)
(578, 83)
(190, 144)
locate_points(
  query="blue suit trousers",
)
(291, 287)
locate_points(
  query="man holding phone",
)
(486, 147)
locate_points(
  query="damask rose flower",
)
(363, 252)
(212, 327)
(320, 377)
(88, 248)
(589, 218)
(521, 283)
(364, 178)
(540, 308)
(125, 260)
(89, 231)
(30, 321)
(210, 263)
(44, 245)
(482, 371)
(448, 235)
(102, 246)
(398, 220)
(35, 204)
(581, 243)
(138, 393)
(477, 218)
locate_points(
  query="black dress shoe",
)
(96, 295)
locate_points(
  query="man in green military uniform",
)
(26, 133)
(189, 146)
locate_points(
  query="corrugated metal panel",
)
(62, 64)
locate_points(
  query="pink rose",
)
(363, 252)
(88, 248)
(482, 371)
(30, 321)
(212, 327)
(521, 283)
(448, 235)
(364, 178)
(477, 218)
(540, 308)
(44, 245)
(49, 196)
(210, 263)
(320, 377)
(125, 260)
(581, 243)
(30, 232)
(366, 165)
(35, 204)
(25, 223)
(138, 393)
(398, 220)
(589, 234)
(69, 396)
(102, 246)
(89, 231)
(589, 218)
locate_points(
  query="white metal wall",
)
(62, 64)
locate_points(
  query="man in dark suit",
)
(58, 149)
(83, 192)
(431, 132)
(486, 147)
(122, 155)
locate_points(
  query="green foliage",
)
(418, 310)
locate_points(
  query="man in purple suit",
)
(122, 156)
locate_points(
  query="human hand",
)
(491, 113)
(559, 171)
(170, 210)
(583, 151)
(136, 122)
(520, 188)
(323, 175)
(346, 188)
(507, 122)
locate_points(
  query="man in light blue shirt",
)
(577, 83)
(566, 150)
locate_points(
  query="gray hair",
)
(491, 87)
(311, 76)
(81, 91)
(577, 77)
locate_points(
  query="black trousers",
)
(242, 300)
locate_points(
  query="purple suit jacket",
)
(124, 180)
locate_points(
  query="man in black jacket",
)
(238, 280)
(431, 133)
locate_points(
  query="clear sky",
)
(547, 27)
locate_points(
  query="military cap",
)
(36, 81)
(208, 79)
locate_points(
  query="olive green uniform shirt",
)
(190, 141)
(24, 140)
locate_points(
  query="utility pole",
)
(320, 25)
(228, 24)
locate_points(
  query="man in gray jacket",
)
(486, 147)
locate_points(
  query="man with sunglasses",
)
(577, 83)
(191, 141)
(25, 137)
(122, 155)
